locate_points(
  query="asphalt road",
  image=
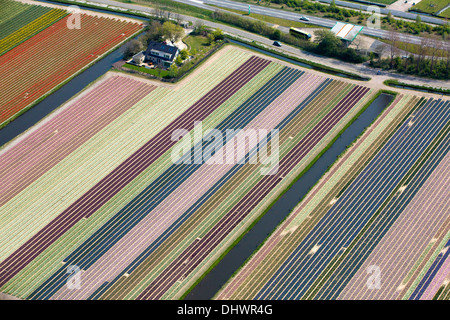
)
(360, 69)
(351, 5)
(395, 13)
(295, 17)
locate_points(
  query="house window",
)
(155, 53)
(167, 56)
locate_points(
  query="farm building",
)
(139, 58)
(346, 32)
(160, 53)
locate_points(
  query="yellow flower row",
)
(30, 29)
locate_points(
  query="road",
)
(351, 5)
(379, 33)
(360, 69)
(395, 13)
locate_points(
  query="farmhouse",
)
(160, 53)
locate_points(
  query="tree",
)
(436, 46)
(218, 35)
(418, 19)
(379, 50)
(178, 18)
(173, 71)
(179, 60)
(210, 38)
(132, 47)
(422, 51)
(172, 32)
(406, 46)
(155, 32)
(184, 54)
(276, 34)
(328, 42)
(333, 5)
(357, 43)
(159, 68)
(393, 46)
(160, 13)
(389, 16)
(199, 28)
(447, 55)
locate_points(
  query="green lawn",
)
(274, 20)
(197, 43)
(431, 6)
(154, 72)
(445, 14)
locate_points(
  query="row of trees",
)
(328, 44)
(160, 29)
(430, 59)
(416, 27)
(335, 12)
(260, 27)
(331, 46)
(156, 31)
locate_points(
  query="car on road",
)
(378, 72)
(277, 44)
(303, 18)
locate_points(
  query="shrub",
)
(184, 54)
(218, 35)
(276, 35)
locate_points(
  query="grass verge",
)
(273, 20)
(84, 5)
(402, 85)
(153, 72)
(314, 65)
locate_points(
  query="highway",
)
(359, 69)
(395, 13)
(350, 5)
(379, 33)
(205, 4)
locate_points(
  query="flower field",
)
(136, 224)
(21, 21)
(376, 226)
(37, 43)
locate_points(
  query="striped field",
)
(37, 42)
(102, 193)
(376, 226)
